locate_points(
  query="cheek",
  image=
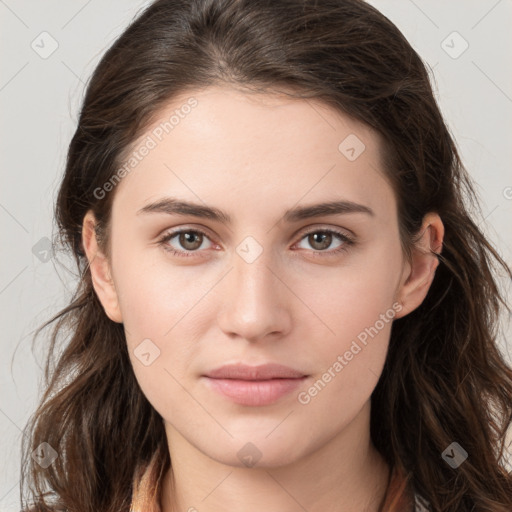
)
(354, 295)
(356, 305)
(163, 312)
(351, 360)
(156, 297)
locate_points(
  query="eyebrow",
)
(173, 206)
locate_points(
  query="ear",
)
(419, 274)
(100, 270)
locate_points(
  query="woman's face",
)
(279, 282)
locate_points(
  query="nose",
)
(255, 301)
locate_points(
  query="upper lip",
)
(261, 372)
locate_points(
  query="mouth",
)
(254, 385)
(254, 392)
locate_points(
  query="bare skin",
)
(298, 303)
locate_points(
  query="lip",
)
(261, 372)
(254, 385)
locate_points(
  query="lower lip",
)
(255, 392)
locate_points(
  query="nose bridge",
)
(254, 282)
(253, 276)
(254, 305)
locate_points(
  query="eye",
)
(191, 241)
(321, 239)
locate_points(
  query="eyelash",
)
(347, 242)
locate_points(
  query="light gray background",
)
(39, 100)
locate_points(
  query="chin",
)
(255, 451)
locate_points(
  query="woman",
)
(284, 303)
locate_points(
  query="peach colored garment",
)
(145, 497)
(399, 497)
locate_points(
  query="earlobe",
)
(421, 271)
(100, 270)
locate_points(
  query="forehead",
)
(266, 152)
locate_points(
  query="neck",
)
(344, 474)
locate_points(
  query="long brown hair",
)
(444, 379)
